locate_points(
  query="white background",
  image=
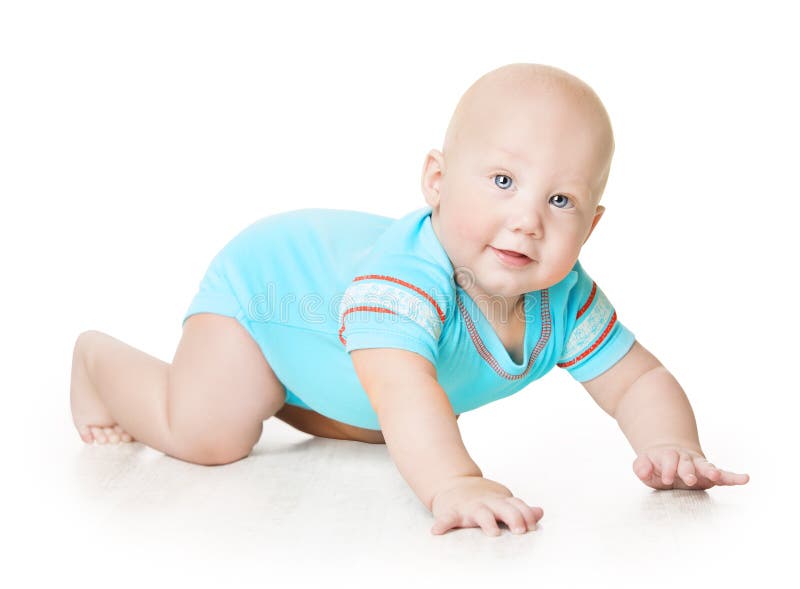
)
(136, 138)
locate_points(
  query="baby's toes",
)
(86, 434)
(123, 435)
(111, 435)
(99, 435)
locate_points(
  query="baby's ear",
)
(598, 213)
(432, 176)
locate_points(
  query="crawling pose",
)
(357, 326)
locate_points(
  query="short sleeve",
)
(401, 305)
(596, 338)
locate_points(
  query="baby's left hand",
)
(657, 466)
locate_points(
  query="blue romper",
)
(311, 285)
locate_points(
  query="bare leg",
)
(114, 384)
(207, 406)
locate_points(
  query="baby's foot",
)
(113, 434)
(90, 416)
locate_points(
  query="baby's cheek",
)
(473, 238)
(468, 226)
(464, 228)
(473, 223)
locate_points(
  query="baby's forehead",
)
(571, 146)
(511, 122)
(531, 111)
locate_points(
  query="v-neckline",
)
(513, 329)
(490, 337)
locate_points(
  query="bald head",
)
(528, 96)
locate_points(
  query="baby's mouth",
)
(511, 253)
(512, 258)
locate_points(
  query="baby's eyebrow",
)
(508, 153)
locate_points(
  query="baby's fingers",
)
(647, 471)
(732, 478)
(531, 514)
(719, 476)
(511, 514)
(480, 515)
(484, 517)
(669, 464)
(686, 469)
(708, 470)
(643, 467)
(444, 523)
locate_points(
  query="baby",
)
(356, 326)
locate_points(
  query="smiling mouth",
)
(510, 252)
(512, 258)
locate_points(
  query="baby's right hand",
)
(471, 501)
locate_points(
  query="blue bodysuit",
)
(311, 285)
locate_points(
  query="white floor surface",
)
(308, 511)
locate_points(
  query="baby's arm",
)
(416, 419)
(654, 413)
(422, 437)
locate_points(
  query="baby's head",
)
(525, 161)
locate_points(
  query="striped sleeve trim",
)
(598, 317)
(588, 302)
(381, 294)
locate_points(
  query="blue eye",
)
(563, 201)
(502, 176)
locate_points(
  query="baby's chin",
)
(537, 277)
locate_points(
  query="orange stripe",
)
(406, 284)
(591, 348)
(582, 310)
(351, 309)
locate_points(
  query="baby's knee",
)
(208, 438)
(207, 424)
(209, 450)
(211, 441)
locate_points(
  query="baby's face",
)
(526, 179)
